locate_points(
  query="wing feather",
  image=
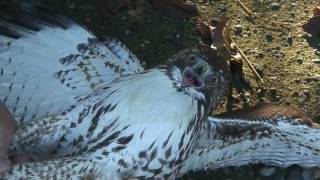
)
(270, 139)
(47, 60)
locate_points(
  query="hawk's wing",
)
(269, 135)
(46, 61)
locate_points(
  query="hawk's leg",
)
(39, 138)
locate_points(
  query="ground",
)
(280, 51)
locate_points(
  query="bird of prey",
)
(100, 112)
(87, 108)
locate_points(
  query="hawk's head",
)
(201, 73)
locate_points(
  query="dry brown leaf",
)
(218, 33)
(204, 29)
(212, 32)
(316, 11)
(175, 8)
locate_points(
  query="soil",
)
(287, 57)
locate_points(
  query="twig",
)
(247, 60)
(228, 40)
(250, 13)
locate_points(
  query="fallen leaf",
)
(175, 8)
(204, 29)
(213, 32)
(316, 11)
(218, 33)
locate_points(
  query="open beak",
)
(191, 78)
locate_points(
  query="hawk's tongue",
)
(188, 81)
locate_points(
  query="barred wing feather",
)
(279, 138)
(47, 61)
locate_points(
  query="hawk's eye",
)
(191, 60)
(213, 80)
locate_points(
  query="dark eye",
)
(213, 80)
(191, 60)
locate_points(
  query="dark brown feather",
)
(270, 112)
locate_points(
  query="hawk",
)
(86, 107)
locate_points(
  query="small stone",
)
(222, 7)
(306, 93)
(290, 40)
(297, 80)
(274, 94)
(254, 30)
(275, 6)
(295, 94)
(238, 29)
(316, 61)
(259, 69)
(299, 60)
(269, 37)
(273, 78)
(260, 55)
(247, 94)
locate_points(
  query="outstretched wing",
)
(267, 134)
(47, 60)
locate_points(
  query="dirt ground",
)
(285, 56)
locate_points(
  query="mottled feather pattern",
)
(50, 60)
(51, 129)
(73, 168)
(87, 108)
(256, 136)
(130, 145)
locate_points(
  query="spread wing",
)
(267, 134)
(47, 60)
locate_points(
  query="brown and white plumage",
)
(120, 122)
(47, 60)
(264, 134)
(127, 128)
(104, 117)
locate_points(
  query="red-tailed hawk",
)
(86, 107)
(98, 106)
